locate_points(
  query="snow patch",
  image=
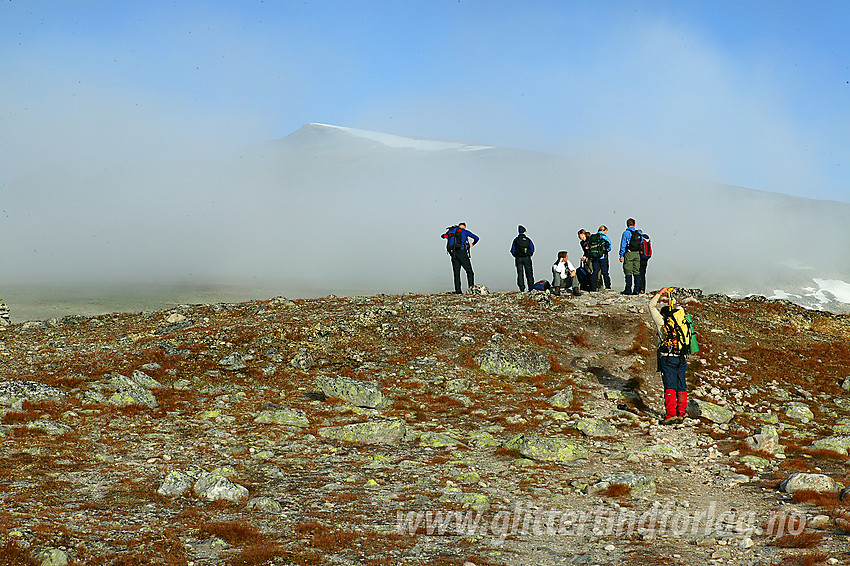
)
(839, 289)
(391, 140)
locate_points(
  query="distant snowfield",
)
(828, 291)
(391, 140)
(840, 289)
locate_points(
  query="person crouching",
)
(564, 275)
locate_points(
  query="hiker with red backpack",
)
(522, 249)
(458, 246)
(630, 244)
(675, 342)
(645, 254)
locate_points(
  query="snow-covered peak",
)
(391, 140)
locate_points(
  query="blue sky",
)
(750, 93)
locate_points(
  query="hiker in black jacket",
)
(522, 249)
(458, 246)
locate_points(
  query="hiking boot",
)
(669, 421)
(576, 293)
(680, 420)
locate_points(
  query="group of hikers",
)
(676, 338)
(591, 275)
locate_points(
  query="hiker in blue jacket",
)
(458, 247)
(630, 257)
(522, 249)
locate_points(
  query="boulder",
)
(547, 449)
(512, 363)
(12, 392)
(765, 439)
(233, 362)
(846, 383)
(641, 486)
(369, 432)
(811, 482)
(145, 380)
(360, 393)
(131, 393)
(47, 556)
(213, 487)
(175, 484)
(479, 290)
(302, 360)
(286, 417)
(840, 444)
(596, 427)
(799, 411)
(755, 462)
(264, 505)
(698, 408)
(49, 427)
(437, 440)
(563, 399)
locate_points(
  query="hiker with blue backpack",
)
(522, 249)
(458, 246)
(630, 244)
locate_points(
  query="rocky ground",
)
(480, 429)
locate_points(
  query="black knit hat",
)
(521, 229)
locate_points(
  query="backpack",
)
(645, 247)
(522, 246)
(678, 334)
(453, 240)
(541, 285)
(584, 278)
(596, 246)
(634, 241)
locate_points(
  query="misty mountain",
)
(339, 210)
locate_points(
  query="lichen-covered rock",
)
(810, 482)
(175, 484)
(145, 380)
(233, 362)
(302, 360)
(513, 363)
(47, 556)
(799, 411)
(765, 439)
(547, 449)
(437, 440)
(475, 501)
(846, 383)
(360, 393)
(755, 462)
(264, 505)
(131, 393)
(840, 444)
(12, 392)
(641, 486)
(457, 385)
(697, 408)
(563, 399)
(213, 487)
(49, 427)
(596, 427)
(286, 417)
(370, 432)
